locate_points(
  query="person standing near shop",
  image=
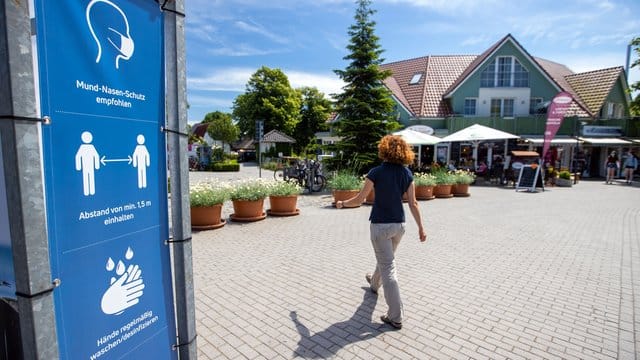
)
(611, 166)
(630, 164)
(389, 181)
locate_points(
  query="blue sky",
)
(227, 41)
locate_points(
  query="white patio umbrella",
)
(413, 137)
(477, 133)
(418, 139)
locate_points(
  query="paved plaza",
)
(503, 275)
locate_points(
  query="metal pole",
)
(21, 148)
(575, 155)
(259, 158)
(176, 105)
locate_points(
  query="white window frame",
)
(512, 60)
(475, 106)
(415, 79)
(535, 100)
(502, 102)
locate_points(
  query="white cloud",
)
(260, 30)
(235, 79)
(208, 101)
(239, 50)
(581, 63)
(226, 79)
(324, 83)
(451, 6)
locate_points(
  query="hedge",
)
(220, 166)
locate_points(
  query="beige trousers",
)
(385, 239)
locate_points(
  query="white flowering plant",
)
(250, 189)
(284, 188)
(464, 177)
(209, 193)
(424, 179)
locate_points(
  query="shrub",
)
(284, 188)
(231, 165)
(443, 177)
(424, 179)
(564, 174)
(209, 193)
(463, 177)
(345, 181)
(250, 189)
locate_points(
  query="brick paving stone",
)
(551, 275)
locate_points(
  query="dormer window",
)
(415, 79)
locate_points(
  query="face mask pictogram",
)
(109, 28)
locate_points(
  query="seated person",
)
(482, 169)
(451, 166)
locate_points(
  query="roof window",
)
(416, 78)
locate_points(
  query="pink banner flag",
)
(555, 114)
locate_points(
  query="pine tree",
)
(365, 106)
(635, 87)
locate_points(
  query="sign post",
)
(101, 83)
(179, 173)
(20, 130)
(259, 135)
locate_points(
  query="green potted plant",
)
(248, 199)
(283, 197)
(444, 182)
(564, 179)
(344, 185)
(462, 180)
(206, 201)
(424, 185)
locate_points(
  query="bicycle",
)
(308, 174)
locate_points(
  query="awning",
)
(605, 141)
(635, 141)
(521, 153)
(559, 140)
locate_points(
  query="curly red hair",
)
(394, 149)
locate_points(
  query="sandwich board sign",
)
(101, 84)
(529, 178)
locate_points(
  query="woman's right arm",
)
(358, 199)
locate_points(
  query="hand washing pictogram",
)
(125, 288)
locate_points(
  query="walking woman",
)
(630, 164)
(389, 181)
(611, 165)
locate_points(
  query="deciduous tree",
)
(314, 113)
(268, 96)
(221, 127)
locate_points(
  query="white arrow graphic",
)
(104, 160)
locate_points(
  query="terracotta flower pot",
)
(283, 205)
(248, 210)
(424, 192)
(371, 197)
(460, 190)
(342, 195)
(207, 217)
(442, 191)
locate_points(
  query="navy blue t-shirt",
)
(390, 181)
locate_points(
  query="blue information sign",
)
(101, 83)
